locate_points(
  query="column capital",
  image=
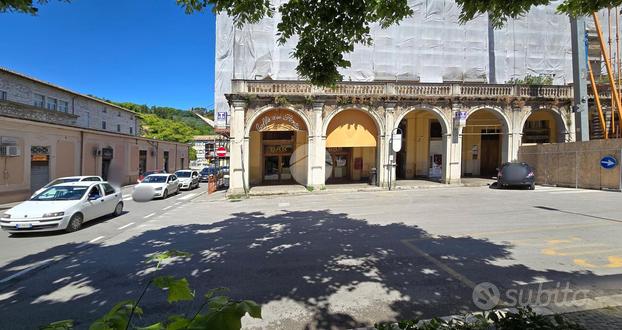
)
(389, 106)
(318, 105)
(239, 103)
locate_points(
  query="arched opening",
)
(484, 143)
(543, 126)
(274, 137)
(351, 145)
(423, 153)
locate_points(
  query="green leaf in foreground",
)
(178, 289)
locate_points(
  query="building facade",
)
(69, 107)
(48, 132)
(291, 132)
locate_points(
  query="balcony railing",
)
(402, 89)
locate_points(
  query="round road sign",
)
(221, 152)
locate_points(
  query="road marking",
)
(127, 198)
(96, 239)
(461, 278)
(33, 267)
(166, 208)
(149, 215)
(536, 230)
(127, 195)
(123, 227)
(283, 204)
(177, 203)
(575, 192)
(186, 197)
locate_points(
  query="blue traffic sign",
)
(608, 162)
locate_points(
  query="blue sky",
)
(142, 51)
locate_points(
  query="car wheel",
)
(118, 209)
(165, 194)
(75, 223)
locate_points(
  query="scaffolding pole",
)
(603, 49)
(603, 123)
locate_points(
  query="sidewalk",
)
(295, 189)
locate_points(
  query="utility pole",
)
(579, 73)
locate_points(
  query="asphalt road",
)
(325, 260)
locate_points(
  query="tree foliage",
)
(328, 30)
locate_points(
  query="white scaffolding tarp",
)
(430, 46)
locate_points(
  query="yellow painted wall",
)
(351, 128)
(550, 117)
(369, 161)
(417, 144)
(255, 155)
(479, 120)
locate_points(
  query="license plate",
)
(23, 225)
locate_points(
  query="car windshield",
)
(183, 174)
(61, 193)
(59, 181)
(155, 179)
(207, 170)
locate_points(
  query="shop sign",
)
(277, 121)
(39, 158)
(278, 149)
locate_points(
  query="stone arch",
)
(497, 111)
(556, 112)
(375, 117)
(424, 107)
(251, 120)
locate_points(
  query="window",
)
(94, 193)
(2, 95)
(103, 124)
(118, 128)
(119, 114)
(39, 100)
(63, 106)
(131, 130)
(104, 110)
(52, 103)
(108, 189)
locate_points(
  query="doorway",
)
(491, 148)
(107, 155)
(341, 163)
(277, 152)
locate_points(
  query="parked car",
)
(163, 184)
(141, 177)
(516, 174)
(206, 172)
(188, 179)
(68, 179)
(63, 207)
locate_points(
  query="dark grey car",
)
(516, 174)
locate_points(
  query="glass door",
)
(271, 169)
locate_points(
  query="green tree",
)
(327, 30)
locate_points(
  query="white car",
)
(63, 207)
(188, 179)
(163, 185)
(68, 179)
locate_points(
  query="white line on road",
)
(166, 208)
(127, 198)
(149, 215)
(126, 195)
(283, 204)
(96, 239)
(186, 197)
(575, 191)
(177, 203)
(123, 227)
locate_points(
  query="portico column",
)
(386, 151)
(317, 149)
(452, 144)
(514, 140)
(238, 153)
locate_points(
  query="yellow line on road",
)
(536, 229)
